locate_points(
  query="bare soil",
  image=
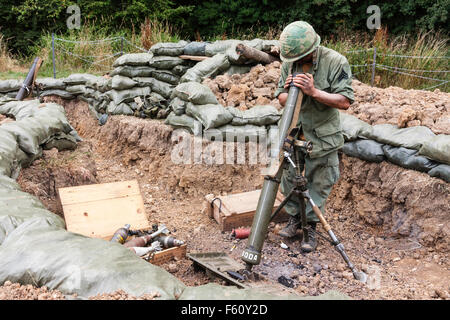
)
(392, 221)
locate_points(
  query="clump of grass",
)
(391, 70)
(7, 62)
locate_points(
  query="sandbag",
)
(133, 59)
(100, 83)
(131, 72)
(367, 150)
(121, 108)
(61, 141)
(353, 128)
(39, 252)
(55, 112)
(60, 93)
(210, 115)
(76, 89)
(195, 49)
(194, 92)
(12, 94)
(441, 171)
(50, 83)
(437, 148)
(32, 132)
(411, 138)
(122, 83)
(78, 78)
(168, 48)
(8, 183)
(160, 87)
(10, 85)
(183, 122)
(228, 47)
(180, 70)
(206, 69)
(118, 97)
(267, 45)
(165, 76)
(236, 69)
(165, 62)
(232, 133)
(178, 106)
(220, 46)
(11, 156)
(408, 158)
(257, 115)
(20, 109)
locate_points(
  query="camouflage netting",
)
(35, 247)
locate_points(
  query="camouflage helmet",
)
(298, 40)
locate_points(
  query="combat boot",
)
(311, 245)
(291, 228)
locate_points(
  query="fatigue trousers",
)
(321, 173)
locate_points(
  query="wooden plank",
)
(167, 255)
(98, 192)
(195, 58)
(98, 210)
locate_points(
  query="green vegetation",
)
(27, 26)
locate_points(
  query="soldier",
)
(326, 87)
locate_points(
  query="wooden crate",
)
(167, 255)
(237, 210)
(98, 210)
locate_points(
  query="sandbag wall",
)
(416, 148)
(142, 84)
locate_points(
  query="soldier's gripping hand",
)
(305, 81)
(288, 81)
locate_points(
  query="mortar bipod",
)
(290, 157)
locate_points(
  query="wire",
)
(91, 41)
(132, 44)
(408, 74)
(413, 70)
(416, 57)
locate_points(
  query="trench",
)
(404, 257)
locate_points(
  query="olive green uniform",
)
(320, 124)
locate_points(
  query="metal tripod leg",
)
(359, 275)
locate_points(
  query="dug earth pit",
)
(382, 218)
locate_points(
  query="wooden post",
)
(255, 54)
(53, 55)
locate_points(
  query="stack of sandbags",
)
(37, 126)
(193, 102)
(50, 86)
(10, 88)
(416, 148)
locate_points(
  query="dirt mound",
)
(401, 202)
(247, 90)
(58, 170)
(405, 108)
(15, 291)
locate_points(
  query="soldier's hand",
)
(288, 81)
(305, 81)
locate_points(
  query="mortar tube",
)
(252, 254)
